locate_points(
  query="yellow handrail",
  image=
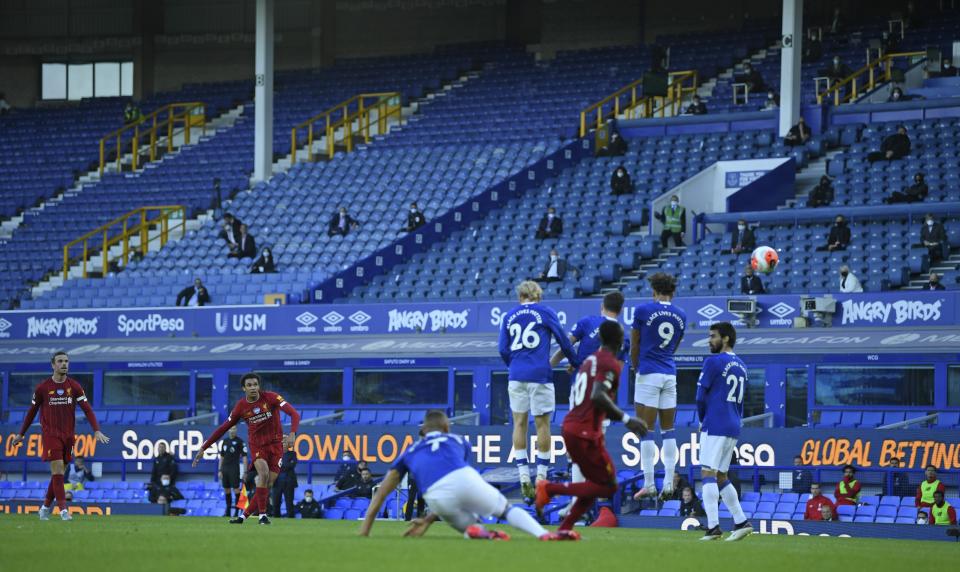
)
(142, 224)
(358, 109)
(161, 122)
(884, 64)
(645, 103)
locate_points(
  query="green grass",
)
(122, 543)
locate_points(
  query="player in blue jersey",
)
(585, 334)
(525, 347)
(453, 490)
(658, 328)
(720, 406)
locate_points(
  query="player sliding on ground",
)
(593, 401)
(658, 328)
(261, 411)
(57, 398)
(720, 406)
(453, 490)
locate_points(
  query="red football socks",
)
(578, 509)
(49, 499)
(585, 489)
(264, 496)
(56, 481)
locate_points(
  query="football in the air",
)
(764, 259)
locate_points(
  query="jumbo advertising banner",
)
(380, 445)
(775, 311)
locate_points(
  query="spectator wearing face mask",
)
(933, 283)
(922, 517)
(616, 147)
(743, 239)
(772, 101)
(674, 219)
(849, 284)
(348, 473)
(752, 78)
(933, 236)
(164, 492)
(798, 135)
(415, 219)
(555, 269)
(264, 264)
(195, 295)
(822, 194)
(893, 147)
(947, 69)
(308, 507)
(750, 283)
(341, 223)
(915, 193)
(620, 182)
(696, 107)
(837, 71)
(839, 237)
(896, 95)
(812, 47)
(551, 226)
(164, 464)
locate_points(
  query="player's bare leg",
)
(542, 424)
(670, 453)
(648, 452)
(520, 422)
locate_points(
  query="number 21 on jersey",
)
(736, 385)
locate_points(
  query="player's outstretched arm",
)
(419, 526)
(634, 348)
(601, 399)
(290, 439)
(388, 485)
(220, 432)
(503, 344)
(553, 323)
(557, 356)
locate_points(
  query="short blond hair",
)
(530, 290)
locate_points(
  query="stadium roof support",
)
(791, 43)
(263, 92)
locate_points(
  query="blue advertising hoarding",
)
(775, 311)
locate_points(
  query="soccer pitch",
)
(117, 544)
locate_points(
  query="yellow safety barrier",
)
(160, 123)
(354, 116)
(133, 223)
(628, 100)
(865, 79)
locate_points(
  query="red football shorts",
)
(272, 453)
(56, 448)
(590, 454)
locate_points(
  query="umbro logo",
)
(306, 318)
(333, 318)
(360, 317)
(710, 311)
(4, 325)
(782, 310)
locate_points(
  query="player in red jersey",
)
(598, 378)
(57, 398)
(261, 411)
